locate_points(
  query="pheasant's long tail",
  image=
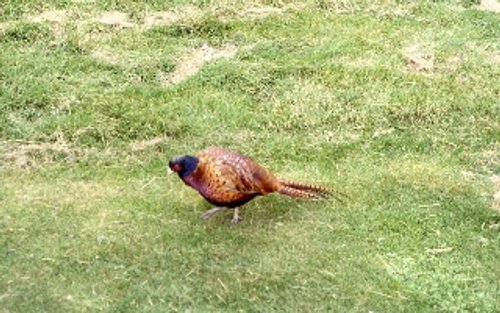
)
(297, 193)
(306, 187)
(310, 191)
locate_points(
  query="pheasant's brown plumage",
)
(229, 179)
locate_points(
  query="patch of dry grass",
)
(191, 64)
(19, 154)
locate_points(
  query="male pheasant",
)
(228, 179)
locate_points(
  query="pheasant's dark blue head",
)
(183, 165)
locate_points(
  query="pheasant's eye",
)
(176, 167)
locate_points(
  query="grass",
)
(394, 104)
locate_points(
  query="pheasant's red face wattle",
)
(175, 167)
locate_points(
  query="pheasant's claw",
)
(236, 216)
(207, 214)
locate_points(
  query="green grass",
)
(325, 91)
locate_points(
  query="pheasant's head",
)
(183, 165)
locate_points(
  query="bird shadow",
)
(262, 212)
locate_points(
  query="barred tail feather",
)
(307, 187)
(316, 190)
(297, 193)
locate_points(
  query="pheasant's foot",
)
(236, 216)
(209, 213)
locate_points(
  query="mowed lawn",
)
(395, 103)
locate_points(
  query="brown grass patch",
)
(453, 62)
(23, 155)
(488, 158)
(162, 18)
(190, 65)
(141, 145)
(106, 55)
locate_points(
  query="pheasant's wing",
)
(235, 176)
(239, 173)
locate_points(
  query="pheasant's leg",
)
(211, 212)
(236, 216)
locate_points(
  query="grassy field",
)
(395, 103)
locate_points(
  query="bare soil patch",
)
(55, 16)
(418, 60)
(495, 58)
(115, 19)
(190, 65)
(260, 12)
(161, 18)
(490, 5)
(3, 26)
(56, 19)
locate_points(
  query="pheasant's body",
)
(229, 179)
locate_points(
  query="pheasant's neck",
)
(194, 182)
(191, 180)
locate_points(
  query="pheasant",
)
(228, 179)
